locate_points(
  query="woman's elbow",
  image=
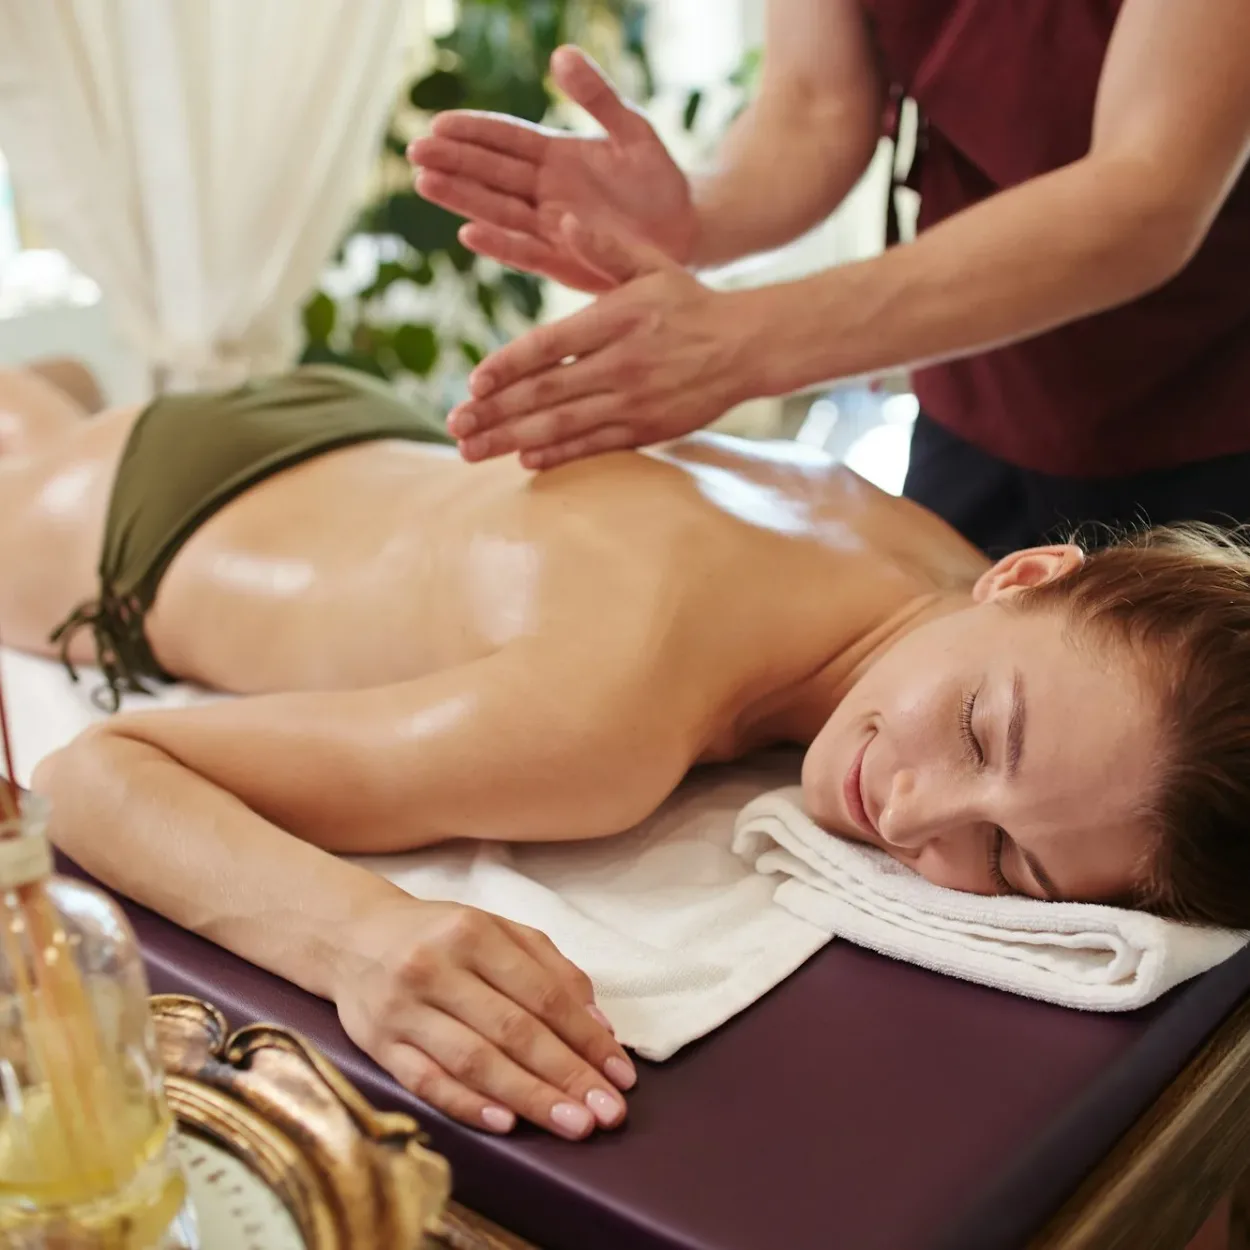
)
(77, 782)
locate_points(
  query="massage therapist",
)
(1076, 306)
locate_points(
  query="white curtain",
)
(197, 158)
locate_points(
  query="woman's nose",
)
(919, 807)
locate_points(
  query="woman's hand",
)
(481, 1018)
(515, 181)
(658, 357)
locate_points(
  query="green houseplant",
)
(405, 300)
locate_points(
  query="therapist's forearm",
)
(1058, 248)
(785, 165)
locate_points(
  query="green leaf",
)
(691, 111)
(389, 272)
(371, 341)
(472, 353)
(363, 363)
(417, 348)
(395, 144)
(319, 354)
(487, 300)
(320, 314)
(461, 258)
(524, 293)
(438, 90)
(426, 226)
(747, 74)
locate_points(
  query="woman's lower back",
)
(260, 554)
(356, 565)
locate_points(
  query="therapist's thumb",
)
(614, 252)
(586, 84)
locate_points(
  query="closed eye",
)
(972, 748)
(1001, 884)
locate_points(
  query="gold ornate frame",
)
(352, 1177)
(357, 1179)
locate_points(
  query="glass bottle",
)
(86, 1136)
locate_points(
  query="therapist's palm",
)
(515, 181)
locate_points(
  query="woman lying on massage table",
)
(429, 650)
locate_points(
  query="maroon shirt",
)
(1006, 89)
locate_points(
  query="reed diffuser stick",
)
(60, 1024)
(10, 807)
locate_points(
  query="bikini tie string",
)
(116, 623)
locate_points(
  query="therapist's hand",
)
(515, 181)
(658, 357)
(481, 1018)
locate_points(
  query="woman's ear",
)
(1035, 566)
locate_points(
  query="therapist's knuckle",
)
(547, 390)
(544, 345)
(618, 372)
(563, 423)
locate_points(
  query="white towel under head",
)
(700, 910)
(1075, 954)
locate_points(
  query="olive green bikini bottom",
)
(190, 455)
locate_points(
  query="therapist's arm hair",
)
(1171, 136)
(805, 139)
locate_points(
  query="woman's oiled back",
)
(383, 561)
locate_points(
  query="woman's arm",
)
(803, 142)
(217, 816)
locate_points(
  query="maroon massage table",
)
(863, 1104)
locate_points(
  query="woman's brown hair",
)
(1180, 599)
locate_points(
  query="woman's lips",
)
(853, 794)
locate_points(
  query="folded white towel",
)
(1075, 954)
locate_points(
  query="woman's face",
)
(990, 754)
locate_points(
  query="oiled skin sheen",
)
(436, 650)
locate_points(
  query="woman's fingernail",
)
(595, 1014)
(621, 1073)
(480, 384)
(571, 1119)
(607, 1108)
(498, 1119)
